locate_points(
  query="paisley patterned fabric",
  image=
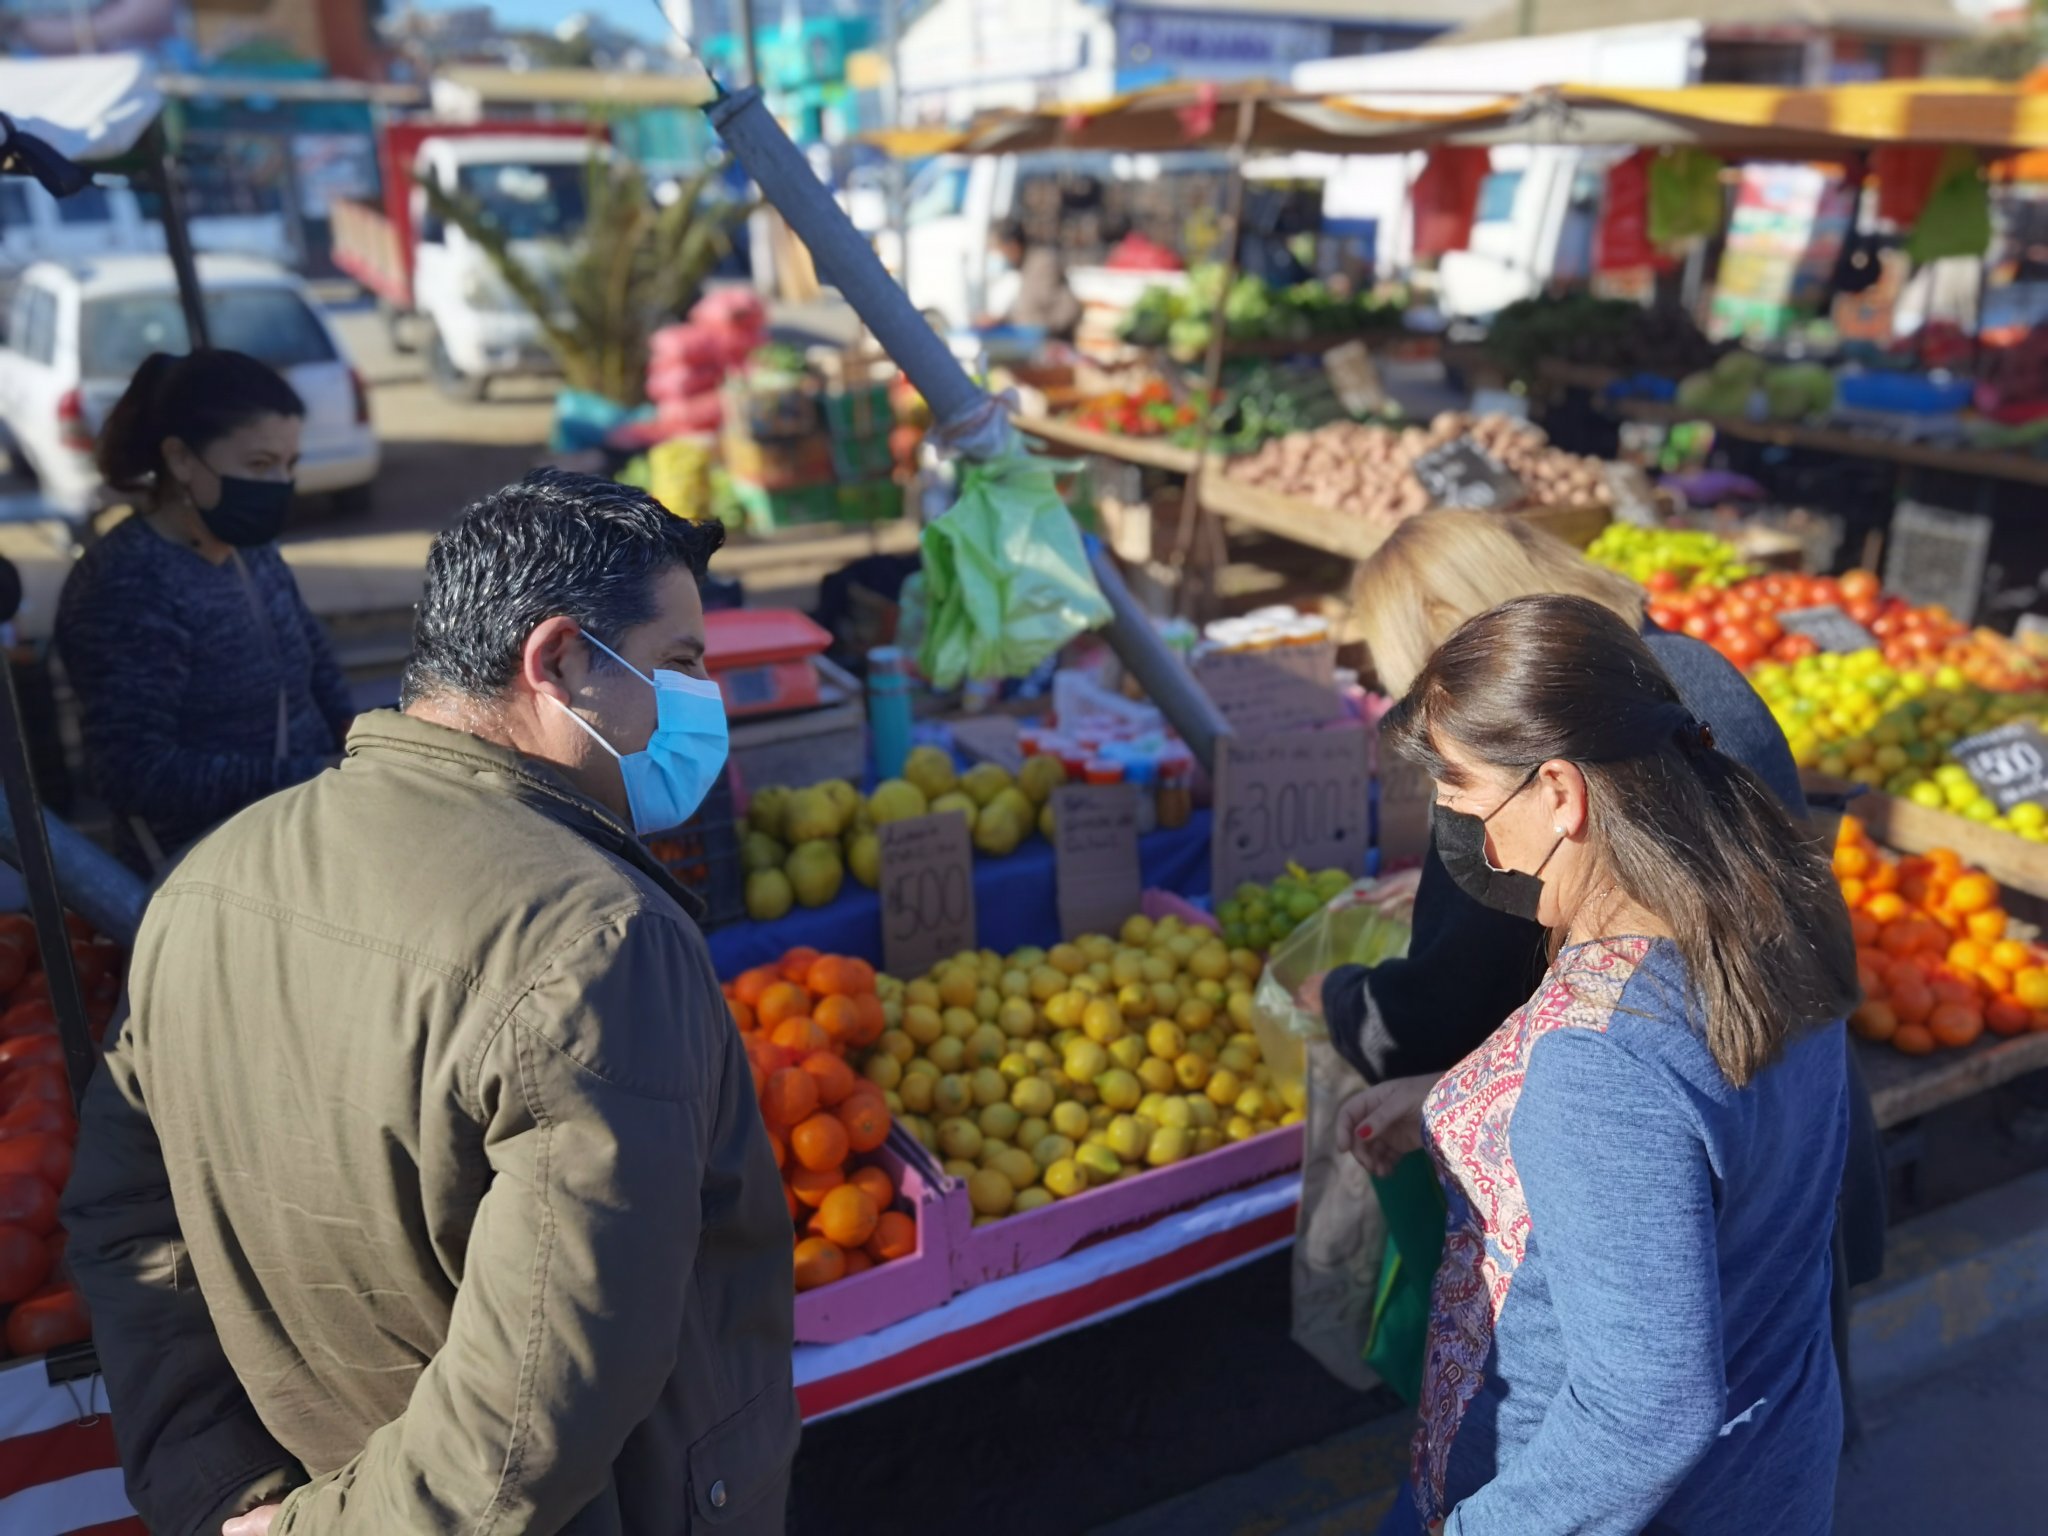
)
(1466, 1128)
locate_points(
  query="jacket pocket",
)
(745, 1460)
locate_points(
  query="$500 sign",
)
(927, 892)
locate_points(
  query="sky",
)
(639, 16)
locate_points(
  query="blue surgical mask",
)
(668, 779)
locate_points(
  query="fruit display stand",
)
(1896, 822)
(1089, 1285)
(60, 1474)
(1015, 897)
(1903, 1088)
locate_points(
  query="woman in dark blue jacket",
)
(203, 681)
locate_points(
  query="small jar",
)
(1103, 770)
(1176, 796)
(1144, 774)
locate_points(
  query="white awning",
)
(95, 107)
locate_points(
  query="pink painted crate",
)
(1018, 1243)
(888, 1293)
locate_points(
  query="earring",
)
(1558, 830)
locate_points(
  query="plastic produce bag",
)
(1361, 925)
(1685, 195)
(1339, 1236)
(1006, 582)
(1957, 218)
(582, 420)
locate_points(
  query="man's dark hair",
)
(555, 545)
(1010, 232)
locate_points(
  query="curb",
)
(1952, 1277)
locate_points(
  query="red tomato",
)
(1662, 581)
(1740, 646)
(1700, 627)
(32, 1083)
(36, 1117)
(1823, 589)
(1859, 584)
(25, 1263)
(1796, 648)
(56, 1245)
(33, 989)
(44, 1154)
(34, 1017)
(1767, 629)
(47, 1321)
(13, 967)
(1737, 610)
(26, 1201)
(1886, 625)
(31, 1050)
(1863, 611)
(1665, 617)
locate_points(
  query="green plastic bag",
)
(1957, 218)
(1412, 1201)
(1006, 581)
(1685, 196)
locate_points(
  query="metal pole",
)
(25, 811)
(178, 238)
(743, 18)
(1212, 367)
(1159, 672)
(892, 117)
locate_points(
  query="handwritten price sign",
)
(1297, 795)
(927, 892)
(2009, 764)
(1095, 846)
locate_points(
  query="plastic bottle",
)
(1143, 773)
(889, 709)
(1176, 797)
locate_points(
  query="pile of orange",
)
(1933, 950)
(798, 1019)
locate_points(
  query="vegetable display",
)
(1602, 333)
(1368, 470)
(1183, 321)
(1667, 559)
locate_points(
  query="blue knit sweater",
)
(1629, 1330)
(177, 684)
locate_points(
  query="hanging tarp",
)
(90, 109)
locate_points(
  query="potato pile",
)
(1364, 470)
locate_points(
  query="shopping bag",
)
(1411, 1203)
(1006, 581)
(1339, 1235)
(1363, 924)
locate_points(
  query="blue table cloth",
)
(1014, 903)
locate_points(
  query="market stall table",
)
(1014, 899)
(1145, 452)
(1089, 1286)
(1903, 1088)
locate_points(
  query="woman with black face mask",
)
(203, 681)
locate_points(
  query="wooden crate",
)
(2013, 862)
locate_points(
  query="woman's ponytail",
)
(198, 398)
(130, 448)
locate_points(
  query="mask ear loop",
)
(589, 729)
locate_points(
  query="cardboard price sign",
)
(1829, 628)
(1357, 382)
(1283, 690)
(1095, 851)
(1461, 474)
(2009, 764)
(927, 892)
(1298, 795)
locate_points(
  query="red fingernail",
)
(1365, 1133)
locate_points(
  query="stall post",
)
(969, 421)
(25, 811)
(1191, 514)
(170, 188)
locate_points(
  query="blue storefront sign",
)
(1160, 45)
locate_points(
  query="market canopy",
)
(91, 108)
(1932, 20)
(1732, 120)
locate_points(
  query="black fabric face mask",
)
(1461, 845)
(249, 512)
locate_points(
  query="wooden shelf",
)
(1146, 452)
(1990, 464)
(1340, 533)
(1905, 1087)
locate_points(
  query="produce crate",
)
(829, 742)
(703, 854)
(861, 412)
(889, 1293)
(778, 463)
(862, 458)
(772, 511)
(1018, 1243)
(874, 501)
(2013, 862)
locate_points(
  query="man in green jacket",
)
(423, 1189)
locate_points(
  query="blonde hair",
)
(1440, 568)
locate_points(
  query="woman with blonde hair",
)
(1477, 950)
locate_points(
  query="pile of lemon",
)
(1856, 717)
(1045, 1073)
